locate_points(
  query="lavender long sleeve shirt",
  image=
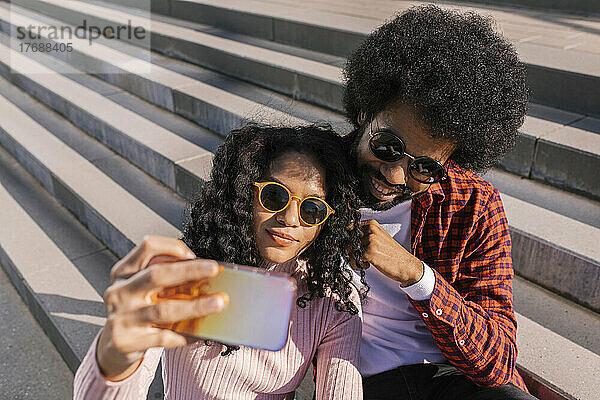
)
(198, 371)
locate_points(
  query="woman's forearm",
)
(91, 384)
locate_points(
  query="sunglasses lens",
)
(274, 197)
(313, 211)
(386, 146)
(426, 170)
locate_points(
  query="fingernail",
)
(213, 267)
(216, 303)
(225, 297)
(190, 254)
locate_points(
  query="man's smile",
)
(381, 190)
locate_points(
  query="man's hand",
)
(387, 255)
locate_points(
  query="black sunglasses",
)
(387, 146)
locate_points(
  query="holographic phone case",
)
(258, 313)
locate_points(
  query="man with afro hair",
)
(435, 97)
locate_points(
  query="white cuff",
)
(422, 289)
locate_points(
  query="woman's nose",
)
(291, 216)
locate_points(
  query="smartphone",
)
(258, 313)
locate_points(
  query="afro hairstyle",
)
(463, 79)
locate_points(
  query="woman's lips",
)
(279, 239)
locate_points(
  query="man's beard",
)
(365, 172)
(369, 200)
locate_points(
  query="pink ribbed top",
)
(198, 371)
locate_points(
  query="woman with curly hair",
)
(229, 222)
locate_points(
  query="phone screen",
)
(258, 313)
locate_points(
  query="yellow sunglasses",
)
(275, 197)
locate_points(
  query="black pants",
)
(434, 382)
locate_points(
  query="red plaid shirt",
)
(459, 228)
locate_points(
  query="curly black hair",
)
(463, 79)
(220, 222)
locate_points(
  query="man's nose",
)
(291, 216)
(396, 173)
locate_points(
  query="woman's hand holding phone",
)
(149, 267)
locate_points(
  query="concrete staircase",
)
(582, 7)
(103, 159)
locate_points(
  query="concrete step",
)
(558, 147)
(547, 136)
(52, 85)
(558, 314)
(558, 322)
(61, 279)
(164, 202)
(63, 289)
(338, 27)
(181, 165)
(31, 367)
(307, 79)
(533, 232)
(583, 7)
(573, 206)
(162, 154)
(172, 84)
(78, 184)
(555, 251)
(552, 366)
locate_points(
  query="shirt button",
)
(425, 315)
(461, 342)
(438, 312)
